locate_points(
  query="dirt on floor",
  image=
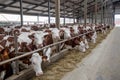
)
(69, 62)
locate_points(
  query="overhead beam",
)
(35, 6)
(14, 1)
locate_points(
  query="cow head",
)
(2, 31)
(3, 43)
(16, 31)
(55, 33)
(36, 61)
(66, 33)
(4, 54)
(61, 33)
(10, 38)
(2, 36)
(1, 47)
(35, 28)
(39, 38)
(72, 31)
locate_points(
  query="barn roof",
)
(40, 7)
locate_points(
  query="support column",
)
(92, 17)
(95, 11)
(21, 13)
(102, 13)
(85, 12)
(105, 13)
(57, 12)
(38, 19)
(64, 12)
(49, 13)
(89, 18)
(73, 15)
(80, 19)
(113, 15)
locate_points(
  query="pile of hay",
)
(57, 70)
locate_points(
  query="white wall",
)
(117, 20)
(31, 19)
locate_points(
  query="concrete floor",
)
(102, 64)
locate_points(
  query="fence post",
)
(16, 51)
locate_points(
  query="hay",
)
(57, 70)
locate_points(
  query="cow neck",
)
(45, 51)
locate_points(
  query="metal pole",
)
(64, 11)
(85, 12)
(57, 12)
(16, 51)
(48, 13)
(80, 19)
(38, 19)
(89, 18)
(95, 11)
(21, 12)
(73, 15)
(92, 17)
(102, 13)
(113, 15)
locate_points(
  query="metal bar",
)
(32, 52)
(85, 12)
(49, 13)
(57, 12)
(21, 12)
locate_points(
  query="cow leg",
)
(23, 65)
(94, 40)
(82, 47)
(48, 53)
(13, 64)
(62, 46)
(86, 44)
(9, 71)
(68, 47)
(2, 75)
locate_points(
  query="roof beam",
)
(4, 6)
(35, 6)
